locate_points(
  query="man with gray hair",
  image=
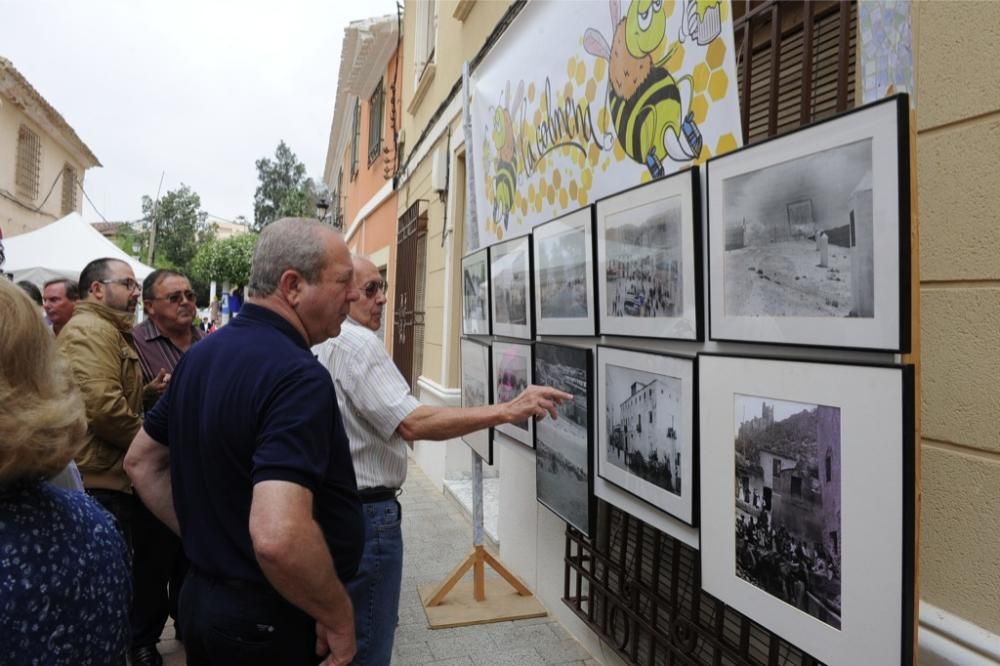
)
(245, 456)
(59, 298)
(381, 416)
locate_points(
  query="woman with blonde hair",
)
(65, 581)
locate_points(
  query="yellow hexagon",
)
(538, 116)
(619, 152)
(571, 67)
(595, 154)
(603, 118)
(700, 76)
(581, 197)
(586, 179)
(645, 177)
(700, 107)
(499, 232)
(725, 12)
(557, 178)
(676, 62)
(716, 53)
(563, 198)
(572, 189)
(591, 90)
(717, 85)
(551, 194)
(599, 69)
(524, 207)
(531, 92)
(581, 73)
(727, 142)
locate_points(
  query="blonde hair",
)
(42, 418)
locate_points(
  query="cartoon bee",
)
(702, 21)
(505, 182)
(644, 99)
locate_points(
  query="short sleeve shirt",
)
(374, 399)
(247, 404)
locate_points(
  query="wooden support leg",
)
(479, 575)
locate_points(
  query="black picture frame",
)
(649, 259)
(505, 258)
(476, 293)
(845, 286)
(477, 383)
(564, 267)
(637, 391)
(839, 504)
(564, 447)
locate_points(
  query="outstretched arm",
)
(438, 423)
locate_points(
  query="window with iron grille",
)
(636, 587)
(356, 132)
(68, 190)
(375, 105)
(338, 210)
(29, 163)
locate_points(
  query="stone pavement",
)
(436, 536)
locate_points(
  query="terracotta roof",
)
(14, 86)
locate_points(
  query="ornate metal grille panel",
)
(640, 589)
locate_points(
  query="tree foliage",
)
(181, 226)
(226, 260)
(282, 189)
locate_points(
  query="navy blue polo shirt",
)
(251, 403)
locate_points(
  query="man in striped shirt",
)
(380, 416)
(167, 332)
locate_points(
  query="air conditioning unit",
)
(439, 172)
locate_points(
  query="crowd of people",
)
(245, 483)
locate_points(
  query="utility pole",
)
(152, 225)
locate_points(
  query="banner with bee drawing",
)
(580, 100)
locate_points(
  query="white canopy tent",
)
(62, 249)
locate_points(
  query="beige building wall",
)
(958, 144)
(16, 212)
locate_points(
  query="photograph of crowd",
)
(563, 445)
(476, 392)
(511, 375)
(643, 261)
(799, 237)
(510, 268)
(475, 294)
(788, 502)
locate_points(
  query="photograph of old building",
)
(475, 295)
(510, 267)
(788, 498)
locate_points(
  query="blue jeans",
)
(374, 589)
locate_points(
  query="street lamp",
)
(136, 246)
(322, 206)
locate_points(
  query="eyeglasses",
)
(176, 297)
(128, 283)
(374, 287)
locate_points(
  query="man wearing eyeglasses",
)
(167, 332)
(98, 346)
(380, 416)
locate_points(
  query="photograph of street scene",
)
(562, 456)
(788, 499)
(512, 374)
(643, 253)
(475, 392)
(475, 309)
(509, 275)
(799, 237)
(643, 417)
(562, 261)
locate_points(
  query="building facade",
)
(43, 160)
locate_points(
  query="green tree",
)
(181, 226)
(226, 260)
(282, 189)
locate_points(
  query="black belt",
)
(377, 494)
(234, 583)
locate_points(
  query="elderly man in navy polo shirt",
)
(245, 456)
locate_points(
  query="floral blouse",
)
(65, 583)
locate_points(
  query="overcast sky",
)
(198, 89)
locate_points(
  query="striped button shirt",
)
(157, 351)
(374, 399)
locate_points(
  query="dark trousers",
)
(233, 622)
(158, 567)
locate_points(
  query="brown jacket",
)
(97, 343)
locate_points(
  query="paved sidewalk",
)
(436, 536)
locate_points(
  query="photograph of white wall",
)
(563, 445)
(645, 427)
(788, 491)
(510, 280)
(809, 234)
(564, 275)
(646, 253)
(807, 501)
(476, 382)
(476, 293)
(512, 370)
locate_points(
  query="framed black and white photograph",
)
(563, 251)
(512, 370)
(476, 383)
(649, 258)
(510, 285)
(564, 446)
(807, 482)
(809, 235)
(646, 428)
(476, 293)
